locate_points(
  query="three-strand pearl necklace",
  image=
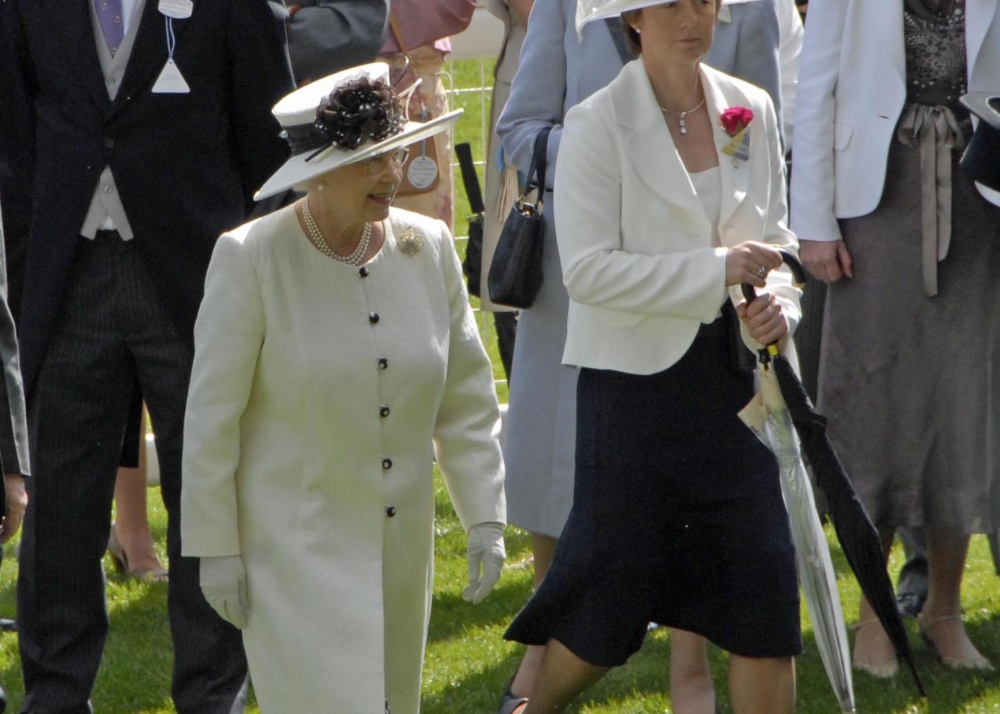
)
(316, 237)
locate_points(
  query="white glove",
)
(484, 550)
(224, 584)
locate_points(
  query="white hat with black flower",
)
(343, 118)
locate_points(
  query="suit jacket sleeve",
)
(17, 141)
(228, 336)
(467, 428)
(326, 36)
(538, 91)
(260, 77)
(780, 282)
(813, 185)
(13, 422)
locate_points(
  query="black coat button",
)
(390, 511)
(363, 272)
(386, 464)
(383, 410)
(109, 143)
(383, 363)
(373, 317)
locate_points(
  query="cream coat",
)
(636, 246)
(292, 461)
(852, 88)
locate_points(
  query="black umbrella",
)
(857, 535)
(472, 266)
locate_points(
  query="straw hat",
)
(324, 141)
(981, 159)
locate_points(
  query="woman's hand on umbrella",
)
(764, 319)
(828, 261)
(749, 263)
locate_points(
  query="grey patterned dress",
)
(909, 380)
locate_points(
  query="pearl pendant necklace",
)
(681, 116)
(316, 238)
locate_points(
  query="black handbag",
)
(515, 274)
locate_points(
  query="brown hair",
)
(632, 39)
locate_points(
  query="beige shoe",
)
(885, 669)
(972, 661)
(120, 560)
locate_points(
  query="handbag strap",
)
(539, 163)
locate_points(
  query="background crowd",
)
(332, 354)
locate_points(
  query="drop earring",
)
(321, 186)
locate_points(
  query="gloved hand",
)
(485, 551)
(223, 582)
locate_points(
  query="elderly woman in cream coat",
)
(336, 357)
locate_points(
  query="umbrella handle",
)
(798, 274)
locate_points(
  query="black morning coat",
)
(186, 165)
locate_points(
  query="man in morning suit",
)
(136, 131)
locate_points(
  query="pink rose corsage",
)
(736, 122)
(736, 119)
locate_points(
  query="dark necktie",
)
(109, 14)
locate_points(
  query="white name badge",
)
(422, 172)
(171, 81)
(177, 9)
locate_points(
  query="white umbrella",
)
(768, 417)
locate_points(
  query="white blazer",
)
(636, 246)
(852, 88)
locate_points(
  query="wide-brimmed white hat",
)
(590, 10)
(315, 148)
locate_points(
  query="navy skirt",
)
(677, 518)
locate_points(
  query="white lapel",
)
(734, 173)
(648, 144)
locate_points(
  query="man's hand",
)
(17, 501)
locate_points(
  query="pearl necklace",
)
(316, 237)
(683, 115)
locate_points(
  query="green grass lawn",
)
(468, 663)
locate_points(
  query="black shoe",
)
(3, 700)
(7, 626)
(910, 604)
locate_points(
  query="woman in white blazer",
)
(910, 247)
(559, 68)
(336, 358)
(677, 515)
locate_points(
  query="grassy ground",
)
(468, 663)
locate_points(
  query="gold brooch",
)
(411, 241)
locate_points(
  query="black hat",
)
(981, 159)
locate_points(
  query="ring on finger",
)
(761, 272)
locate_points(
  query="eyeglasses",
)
(377, 164)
